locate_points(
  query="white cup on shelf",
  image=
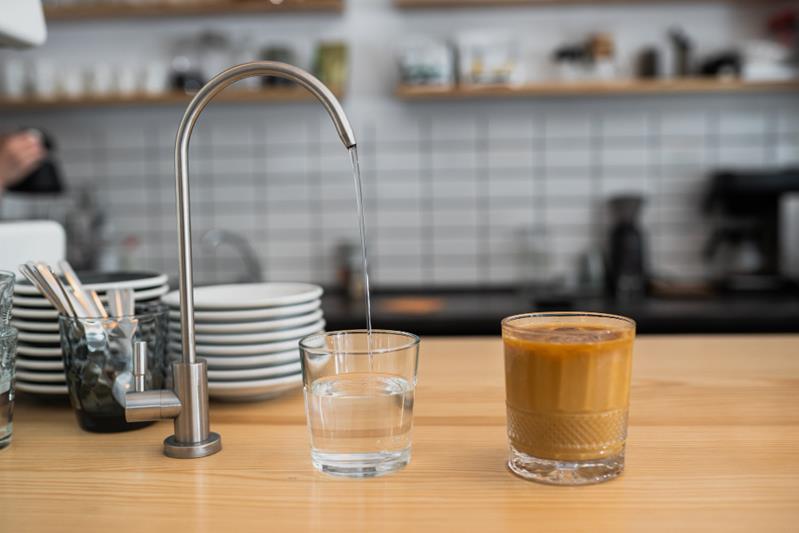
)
(72, 83)
(45, 80)
(102, 80)
(127, 80)
(15, 79)
(154, 78)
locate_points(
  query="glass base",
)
(555, 472)
(360, 465)
(5, 442)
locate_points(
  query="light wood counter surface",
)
(713, 446)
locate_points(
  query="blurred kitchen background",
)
(638, 157)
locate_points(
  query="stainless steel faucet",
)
(187, 404)
(252, 266)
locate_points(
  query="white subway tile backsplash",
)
(447, 187)
(678, 123)
(568, 125)
(463, 217)
(499, 159)
(566, 158)
(628, 124)
(612, 157)
(750, 156)
(743, 123)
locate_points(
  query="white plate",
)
(254, 390)
(31, 301)
(142, 280)
(249, 339)
(218, 376)
(43, 364)
(248, 296)
(149, 294)
(43, 240)
(250, 361)
(251, 327)
(24, 325)
(36, 351)
(39, 338)
(239, 351)
(41, 389)
(250, 314)
(21, 312)
(41, 377)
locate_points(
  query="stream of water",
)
(356, 174)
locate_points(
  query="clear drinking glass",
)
(7, 280)
(567, 387)
(359, 389)
(98, 358)
(8, 349)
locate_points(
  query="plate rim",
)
(283, 335)
(230, 386)
(155, 280)
(284, 371)
(58, 390)
(311, 292)
(246, 315)
(313, 316)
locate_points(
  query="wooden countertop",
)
(712, 446)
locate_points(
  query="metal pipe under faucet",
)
(192, 436)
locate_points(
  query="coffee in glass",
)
(567, 379)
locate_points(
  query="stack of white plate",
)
(39, 367)
(249, 335)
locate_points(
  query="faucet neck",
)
(217, 84)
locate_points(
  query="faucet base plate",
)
(177, 450)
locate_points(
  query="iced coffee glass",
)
(567, 386)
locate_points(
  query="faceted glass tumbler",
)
(8, 350)
(359, 389)
(567, 388)
(98, 351)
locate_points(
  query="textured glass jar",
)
(98, 351)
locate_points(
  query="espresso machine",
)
(753, 244)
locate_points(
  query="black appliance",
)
(626, 260)
(746, 246)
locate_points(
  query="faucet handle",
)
(139, 365)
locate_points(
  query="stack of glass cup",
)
(8, 349)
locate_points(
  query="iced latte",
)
(567, 380)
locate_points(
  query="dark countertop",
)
(479, 312)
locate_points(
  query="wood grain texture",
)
(232, 96)
(593, 88)
(110, 10)
(713, 432)
(447, 4)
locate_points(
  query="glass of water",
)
(359, 388)
(8, 349)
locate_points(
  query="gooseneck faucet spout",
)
(193, 437)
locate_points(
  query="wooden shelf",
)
(87, 11)
(232, 96)
(594, 88)
(423, 4)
